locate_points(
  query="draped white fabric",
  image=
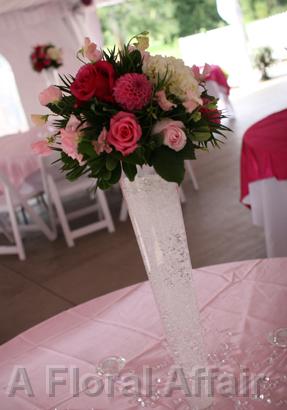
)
(268, 200)
(54, 22)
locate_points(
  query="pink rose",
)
(124, 132)
(163, 102)
(69, 144)
(91, 52)
(50, 95)
(173, 135)
(41, 148)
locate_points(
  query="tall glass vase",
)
(155, 211)
(51, 76)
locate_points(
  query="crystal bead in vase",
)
(156, 215)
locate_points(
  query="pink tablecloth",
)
(217, 74)
(240, 304)
(264, 151)
(17, 160)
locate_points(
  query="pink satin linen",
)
(240, 304)
(264, 151)
(217, 74)
(17, 160)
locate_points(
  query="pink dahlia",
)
(133, 91)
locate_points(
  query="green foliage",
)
(123, 20)
(258, 9)
(195, 16)
(168, 164)
(169, 19)
(262, 60)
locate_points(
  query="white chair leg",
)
(191, 174)
(48, 202)
(15, 227)
(124, 213)
(182, 196)
(229, 106)
(55, 197)
(101, 197)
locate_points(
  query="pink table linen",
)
(240, 304)
(217, 74)
(17, 160)
(264, 151)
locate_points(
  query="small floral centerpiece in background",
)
(46, 56)
(126, 108)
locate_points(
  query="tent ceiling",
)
(7, 6)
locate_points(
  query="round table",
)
(264, 179)
(240, 304)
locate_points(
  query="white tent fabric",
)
(47, 21)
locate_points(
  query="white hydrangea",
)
(181, 81)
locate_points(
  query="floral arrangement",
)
(45, 56)
(126, 108)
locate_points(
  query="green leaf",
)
(136, 158)
(200, 135)
(116, 174)
(102, 184)
(75, 173)
(130, 170)
(111, 162)
(168, 164)
(85, 147)
(106, 175)
(188, 151)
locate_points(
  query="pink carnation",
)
(101, 144)
(91, 51)
(41, 148)
(163, 102)
(69, 143)
(133, 91)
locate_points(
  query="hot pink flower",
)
(41, 148)
(198, 75)
(101, 144)
(50, 95)
(173, 135)
(69, 143)
(124, 132)
(133, 91)
(163, 102)
(91, 52)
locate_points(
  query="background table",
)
(17, 159)
(264, 179)
(240, 304)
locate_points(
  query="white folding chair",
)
(60, 189)
(11, 201)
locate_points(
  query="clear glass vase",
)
(156, 214)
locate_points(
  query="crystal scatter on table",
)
(261, 361)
